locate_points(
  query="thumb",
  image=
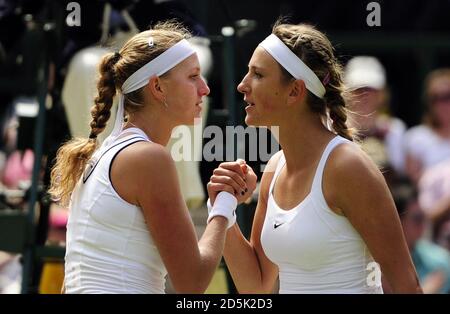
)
(240, 161)
(243, 165)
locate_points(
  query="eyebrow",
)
(254, 67)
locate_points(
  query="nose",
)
(243, 86)
(204, 89)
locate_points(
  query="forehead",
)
(440, 84)
(262, 59)
(188, 64)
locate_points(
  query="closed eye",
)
(257, 75)
(255, 71)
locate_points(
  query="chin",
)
(192, 120)
(196, 121)
(251, 121)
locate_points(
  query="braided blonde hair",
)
(114, 69)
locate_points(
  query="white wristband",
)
(224, 205)
(208, 204)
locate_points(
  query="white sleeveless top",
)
(316, 250)
(109, 248)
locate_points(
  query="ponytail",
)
(336, 103)
(72, 157)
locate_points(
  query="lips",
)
(249, 103)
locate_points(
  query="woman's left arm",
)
(357, 189)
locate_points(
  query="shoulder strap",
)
(93, 162)
(317, 182)
(280, 165)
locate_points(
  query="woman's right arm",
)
(251, 270)
(191, 264)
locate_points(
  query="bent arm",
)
(372, 213)
(251, 270)
(190, 263)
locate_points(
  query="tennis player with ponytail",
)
(324, 214)
(128, 225)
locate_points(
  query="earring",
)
(165, 103)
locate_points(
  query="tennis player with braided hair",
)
(324, 215)
(128, 223)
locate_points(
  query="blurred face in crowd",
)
(413, 223)
(439, 100)
(365, 103)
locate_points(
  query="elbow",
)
(189, 284)
(189, 289)
(257, 289)
(254, 291)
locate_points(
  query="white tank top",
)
(109, 248)
(315, 249)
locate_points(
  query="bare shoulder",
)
(142, 164)
(349, 161)
(351, 177)
(147, 156)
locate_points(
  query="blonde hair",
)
(317, 52)
(115, 68)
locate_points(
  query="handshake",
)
(231, 184)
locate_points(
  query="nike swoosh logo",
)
(275, 225)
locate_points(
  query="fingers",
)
(244, 169)
(234, 177)
(249, 171)
(226, 180)
(240, 181)
(215, 188)
(233, 166)
(240, 161)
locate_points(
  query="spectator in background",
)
(442, 233)
(428, 144)
(381, 135)
(434, 191)
(431, 261)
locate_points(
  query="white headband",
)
(293, 64)
(158, 66)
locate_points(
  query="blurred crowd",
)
(414, 161)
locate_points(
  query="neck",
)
(302, 140)
(155, 126)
